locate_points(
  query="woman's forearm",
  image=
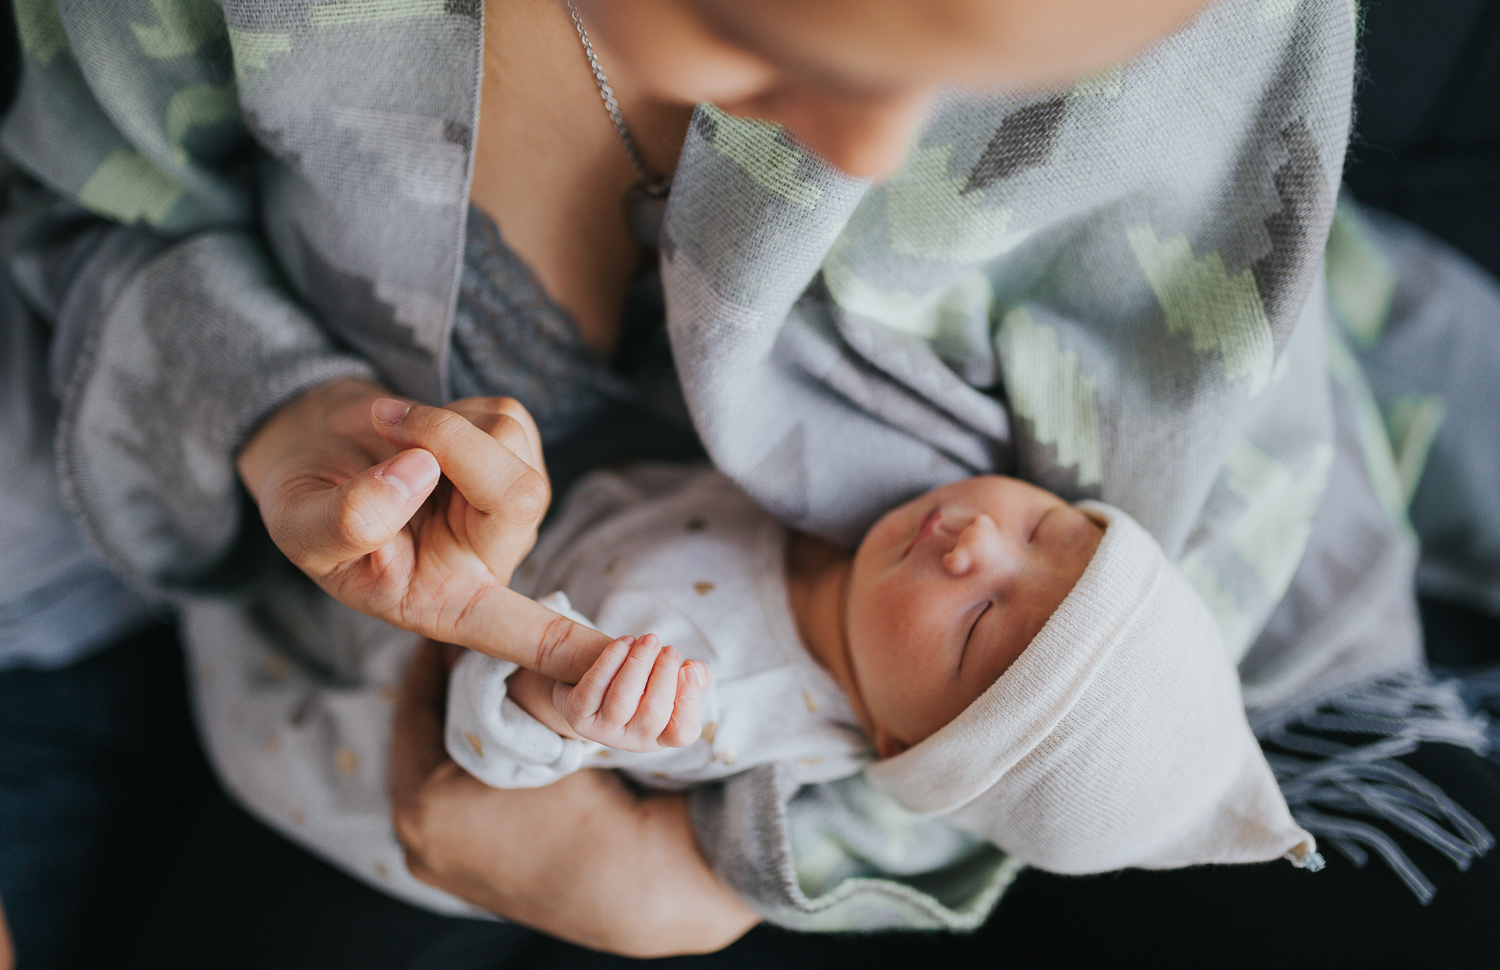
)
(7, 952)
(585, 859)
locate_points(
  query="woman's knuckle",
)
(486, 422)
(449, 425)
(528, 496)
(353, 526)
(510, 433)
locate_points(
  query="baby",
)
(1033, 671)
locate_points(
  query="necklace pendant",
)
(645, 212)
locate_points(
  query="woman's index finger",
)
(491, 477)
(509, 626)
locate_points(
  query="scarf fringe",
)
(1401, 712)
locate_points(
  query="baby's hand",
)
(638, 696)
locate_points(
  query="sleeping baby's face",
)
(947, 590)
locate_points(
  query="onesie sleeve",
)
(492, 738)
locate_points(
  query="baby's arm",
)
(638, 696)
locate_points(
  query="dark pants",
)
(99, 770)
(241, 897)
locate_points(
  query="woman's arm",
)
(586, 859)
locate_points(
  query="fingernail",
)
(389, 411)
(693, 676)
(411, 472)
(629, 641)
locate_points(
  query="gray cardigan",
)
(1115, 291)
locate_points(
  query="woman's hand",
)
(347, 480)
(585, 859)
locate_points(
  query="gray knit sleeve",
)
(197, 347)
(166, 355)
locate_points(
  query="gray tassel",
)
(1400, 712)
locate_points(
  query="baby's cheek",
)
(913, 695)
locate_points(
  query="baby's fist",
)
(638, 696)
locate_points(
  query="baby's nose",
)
(980, 546)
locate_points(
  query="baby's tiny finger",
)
(587, 697)
(686, 725)
(624, 694)
(655, 708)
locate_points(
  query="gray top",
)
(510, 337)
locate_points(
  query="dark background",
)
(1427, 127)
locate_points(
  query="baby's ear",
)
(887, 745)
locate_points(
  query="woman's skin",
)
(7, 951)
(354, 499)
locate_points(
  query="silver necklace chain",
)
(655, 188)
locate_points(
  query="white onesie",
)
(682, 553)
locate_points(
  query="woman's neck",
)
(549, 167)
(817, 590)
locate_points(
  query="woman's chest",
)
(550, 168)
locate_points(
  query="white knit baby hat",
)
(1118, 738)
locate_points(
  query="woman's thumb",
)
(368, 510)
